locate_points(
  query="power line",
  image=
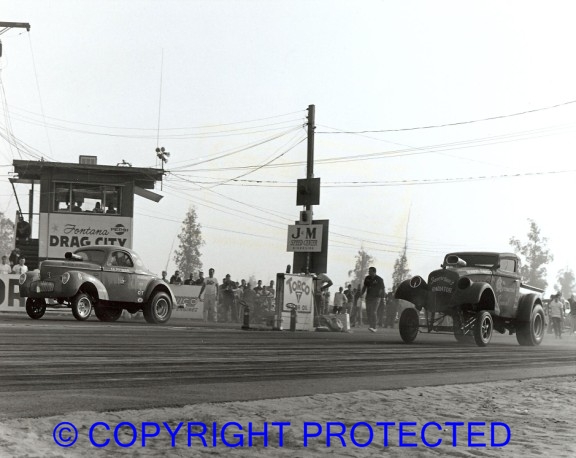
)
(39, 94)
(237, 150)
(410, 151)
(164, 129)
(459, 123)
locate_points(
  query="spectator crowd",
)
(13, 264)
(224, 300)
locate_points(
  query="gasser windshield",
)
(95, 256)
(474, 259)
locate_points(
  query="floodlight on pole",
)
(163, 155)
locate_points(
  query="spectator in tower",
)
(23, 228)
(98, 208)
(14, 257)
(176, 279)
(210, 285)
(77, 207)
(111, 210)
(374, 289)
(20, 268)
(5, 266)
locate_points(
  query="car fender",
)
(158, 285)
(82, 281)
(525, 306)
(414, 290)
(30, 276)
(474, 293)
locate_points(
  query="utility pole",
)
(310, 163)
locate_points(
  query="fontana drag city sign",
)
(62, 233)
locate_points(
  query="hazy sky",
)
(231, 80)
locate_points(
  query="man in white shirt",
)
(20, 268)
(340, 301)
(210, 287)
(5, 267)
(556, 308)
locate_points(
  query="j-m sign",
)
(305, 237)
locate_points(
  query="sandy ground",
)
(540, 415)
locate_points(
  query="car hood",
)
(58, 267)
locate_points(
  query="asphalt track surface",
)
(57, 365)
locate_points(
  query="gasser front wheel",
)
(409, 325)
(81, 306)
(483, 328)
(35, 308)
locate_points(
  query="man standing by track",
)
(210, 297)
(374, 289)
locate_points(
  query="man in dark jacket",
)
(374, 289)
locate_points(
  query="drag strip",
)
(56, 365)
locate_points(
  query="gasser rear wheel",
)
(104, 313)
(531, 333)
(158, 309)
(35, 308)
(483, 328)
(409, 325)
(82, 306)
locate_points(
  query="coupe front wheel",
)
(158, 309)
(81, 306)
(35, 308)
(483, 328)
(409, 325)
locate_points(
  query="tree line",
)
(534, 254)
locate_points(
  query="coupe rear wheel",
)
(81, 306)
(532, 332)
(104, 313)
(158, 309)
(35, 308)
(483, 328)
(408, 325)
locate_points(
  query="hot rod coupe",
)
(471, 295)
(106, 279)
